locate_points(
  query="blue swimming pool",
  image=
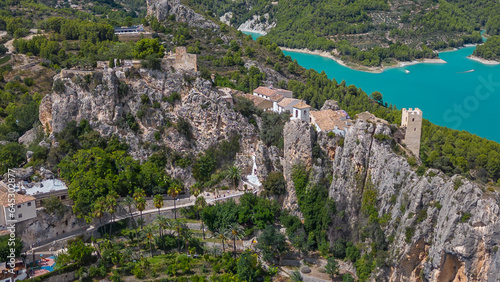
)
(49, 268)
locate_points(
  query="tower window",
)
(413, 119)
(415, 129)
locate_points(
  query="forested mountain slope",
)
(365, 25)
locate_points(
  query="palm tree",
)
(129, 202)
(111, 207)
(233, 173)
(140, 204)
(174, 191)
(98, 210)
(158, 202)
(196, 190)
(186, 235)
(200, 204)
(163, 223)
(221, 234)
(149, 231)
(139, 193)
(235, 232)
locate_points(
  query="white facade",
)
(300, 113)
(22, 212)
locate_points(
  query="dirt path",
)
(10, 44)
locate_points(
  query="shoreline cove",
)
(249, 30)
(358, 67)
(482, 61)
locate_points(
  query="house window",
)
(296, 113)
(63, 197)
(413, 119)
(18, 206)
(29, 204)
(20, 215)
(415, 129)
(304, 112)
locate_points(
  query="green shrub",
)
(409, 232)
(438, 205)
(381, 137)
(29, 81)
(465, 217)
(59, 86)
(184, 128)
(457, 183)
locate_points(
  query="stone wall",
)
(412, 121)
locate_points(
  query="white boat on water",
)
(407, 71)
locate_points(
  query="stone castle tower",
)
(411, 120)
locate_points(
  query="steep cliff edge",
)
(298, 138)
(441, 228)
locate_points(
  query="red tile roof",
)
(277, 98)
(4, 198)
(266, 91)
(302, 105)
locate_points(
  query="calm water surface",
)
(461, 94)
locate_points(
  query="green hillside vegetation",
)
(490, 50)
(374, 28)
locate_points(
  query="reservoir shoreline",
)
(483, 61)
(358, 67)
(445, 92)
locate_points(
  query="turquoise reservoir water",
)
(461, 94)
(253, 34)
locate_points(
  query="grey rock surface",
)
(453, 222)
(162, 9)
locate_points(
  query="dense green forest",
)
(490, 50)
(373, 29)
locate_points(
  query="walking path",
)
(46, 244)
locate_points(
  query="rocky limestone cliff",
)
(107, 99)
(257, 25)
(453, 224)
(161, 9)
(46, 227)
(298, 139)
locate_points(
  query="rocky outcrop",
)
(46, 227)
(162, 9)
(330, 105)
(444, 229)
(135, 108)
(255, 24)
(226, 18)
(30, 136)
(298, 139)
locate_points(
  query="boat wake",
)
(466, 71)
